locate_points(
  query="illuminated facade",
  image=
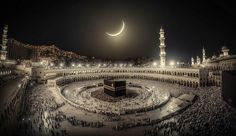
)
(181, 76)
(4, 44)
(216, 64)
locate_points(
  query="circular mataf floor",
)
(91, 98)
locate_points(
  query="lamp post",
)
(154, 64)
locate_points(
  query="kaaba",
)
(115, 88)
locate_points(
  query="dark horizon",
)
(80, 26)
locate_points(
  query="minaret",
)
(192, 61)
(203, 56)
(198, 61)
(162, 48)
(4, 43)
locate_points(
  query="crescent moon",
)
(118, 33)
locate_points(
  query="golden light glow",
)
(118, 33)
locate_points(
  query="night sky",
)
(80, 26)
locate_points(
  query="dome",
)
(214, 56)
(224, 48)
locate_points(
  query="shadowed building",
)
(19, 51)
(3, 52)
(228, 87)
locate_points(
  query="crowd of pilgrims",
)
(43, 117)
(209, 115)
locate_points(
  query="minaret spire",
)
(162, 48)
(198, 61)
(192, 61)
(203, 55)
